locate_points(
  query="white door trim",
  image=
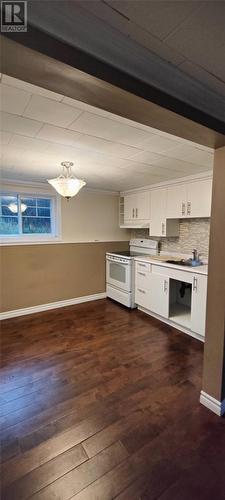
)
(51, 305)
(218, 407)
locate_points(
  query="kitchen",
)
(112, 251)
(171, 286)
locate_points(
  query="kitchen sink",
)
(183, 262)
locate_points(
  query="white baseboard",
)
(218, 407)
(51, 305)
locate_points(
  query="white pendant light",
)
(66, 184)
(14, 207)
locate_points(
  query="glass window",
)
(9, 220)
(26, 215)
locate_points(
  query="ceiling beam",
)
(42, 60)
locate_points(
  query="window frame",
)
(35, 238)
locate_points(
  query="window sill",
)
(30, 241)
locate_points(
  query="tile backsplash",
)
(193, 233)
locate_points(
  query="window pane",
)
(43, 202)
(12, 209)
(9, 225)
(36, 225)
(44, 212)
(6, 200)
(31, 211)
(30, 202)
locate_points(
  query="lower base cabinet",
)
(198, 304)
(180, 297)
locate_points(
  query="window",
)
(27, 217)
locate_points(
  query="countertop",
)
(160, 261)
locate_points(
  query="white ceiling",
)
(40, 129)
(177, 46)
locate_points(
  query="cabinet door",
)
(176, 202)
(159, 295)
(198, 304)
(129, 206)
(199, 198)
(158, 212)
(142, 206)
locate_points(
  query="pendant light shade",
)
(66, 184)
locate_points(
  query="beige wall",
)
(214, 355)
(42, 273)
(38, 274)
(92, 216)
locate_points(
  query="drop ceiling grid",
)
(102, 160)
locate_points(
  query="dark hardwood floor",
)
(99, 402)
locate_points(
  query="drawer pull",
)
(142, 274)
(140, 290)
(142, 265)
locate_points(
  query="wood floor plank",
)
(32, 459)
(100, 402)
(76, 480)
(45, 474)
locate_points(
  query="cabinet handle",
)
(140, 290)
(136, 213)
(133, 213)
(165, 286)
(142, 265)
(163, 228)
(188, 208)
(142, 274)
(195, 285)
(183, 208)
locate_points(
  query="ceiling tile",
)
(29, 87)
(5, 137)
(19, 125)
(98, 126)
(159, 144)
(193, 155)
(49, 111)
(146, 157)
(84, 106)
(106, 146)
(30, 143)
(159, 18)
(179, 165)
(201, 38)
(13, 100)
(59, 135)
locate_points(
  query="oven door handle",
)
(117, 261)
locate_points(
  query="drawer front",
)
(176, 274)
(142, 279)
(143, 267)
(142, 297)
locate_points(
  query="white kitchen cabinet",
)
(159, 225)
(199, 196)
(198, 304)
(137, 208)
(129, 204)
(159, 296)
(189, 200)
(176, 201)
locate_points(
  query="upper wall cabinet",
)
(199, 195)
(137, 209)
(192, 199)
(159, 225)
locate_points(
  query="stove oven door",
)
(118, 273)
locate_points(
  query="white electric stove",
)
(120, 270)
